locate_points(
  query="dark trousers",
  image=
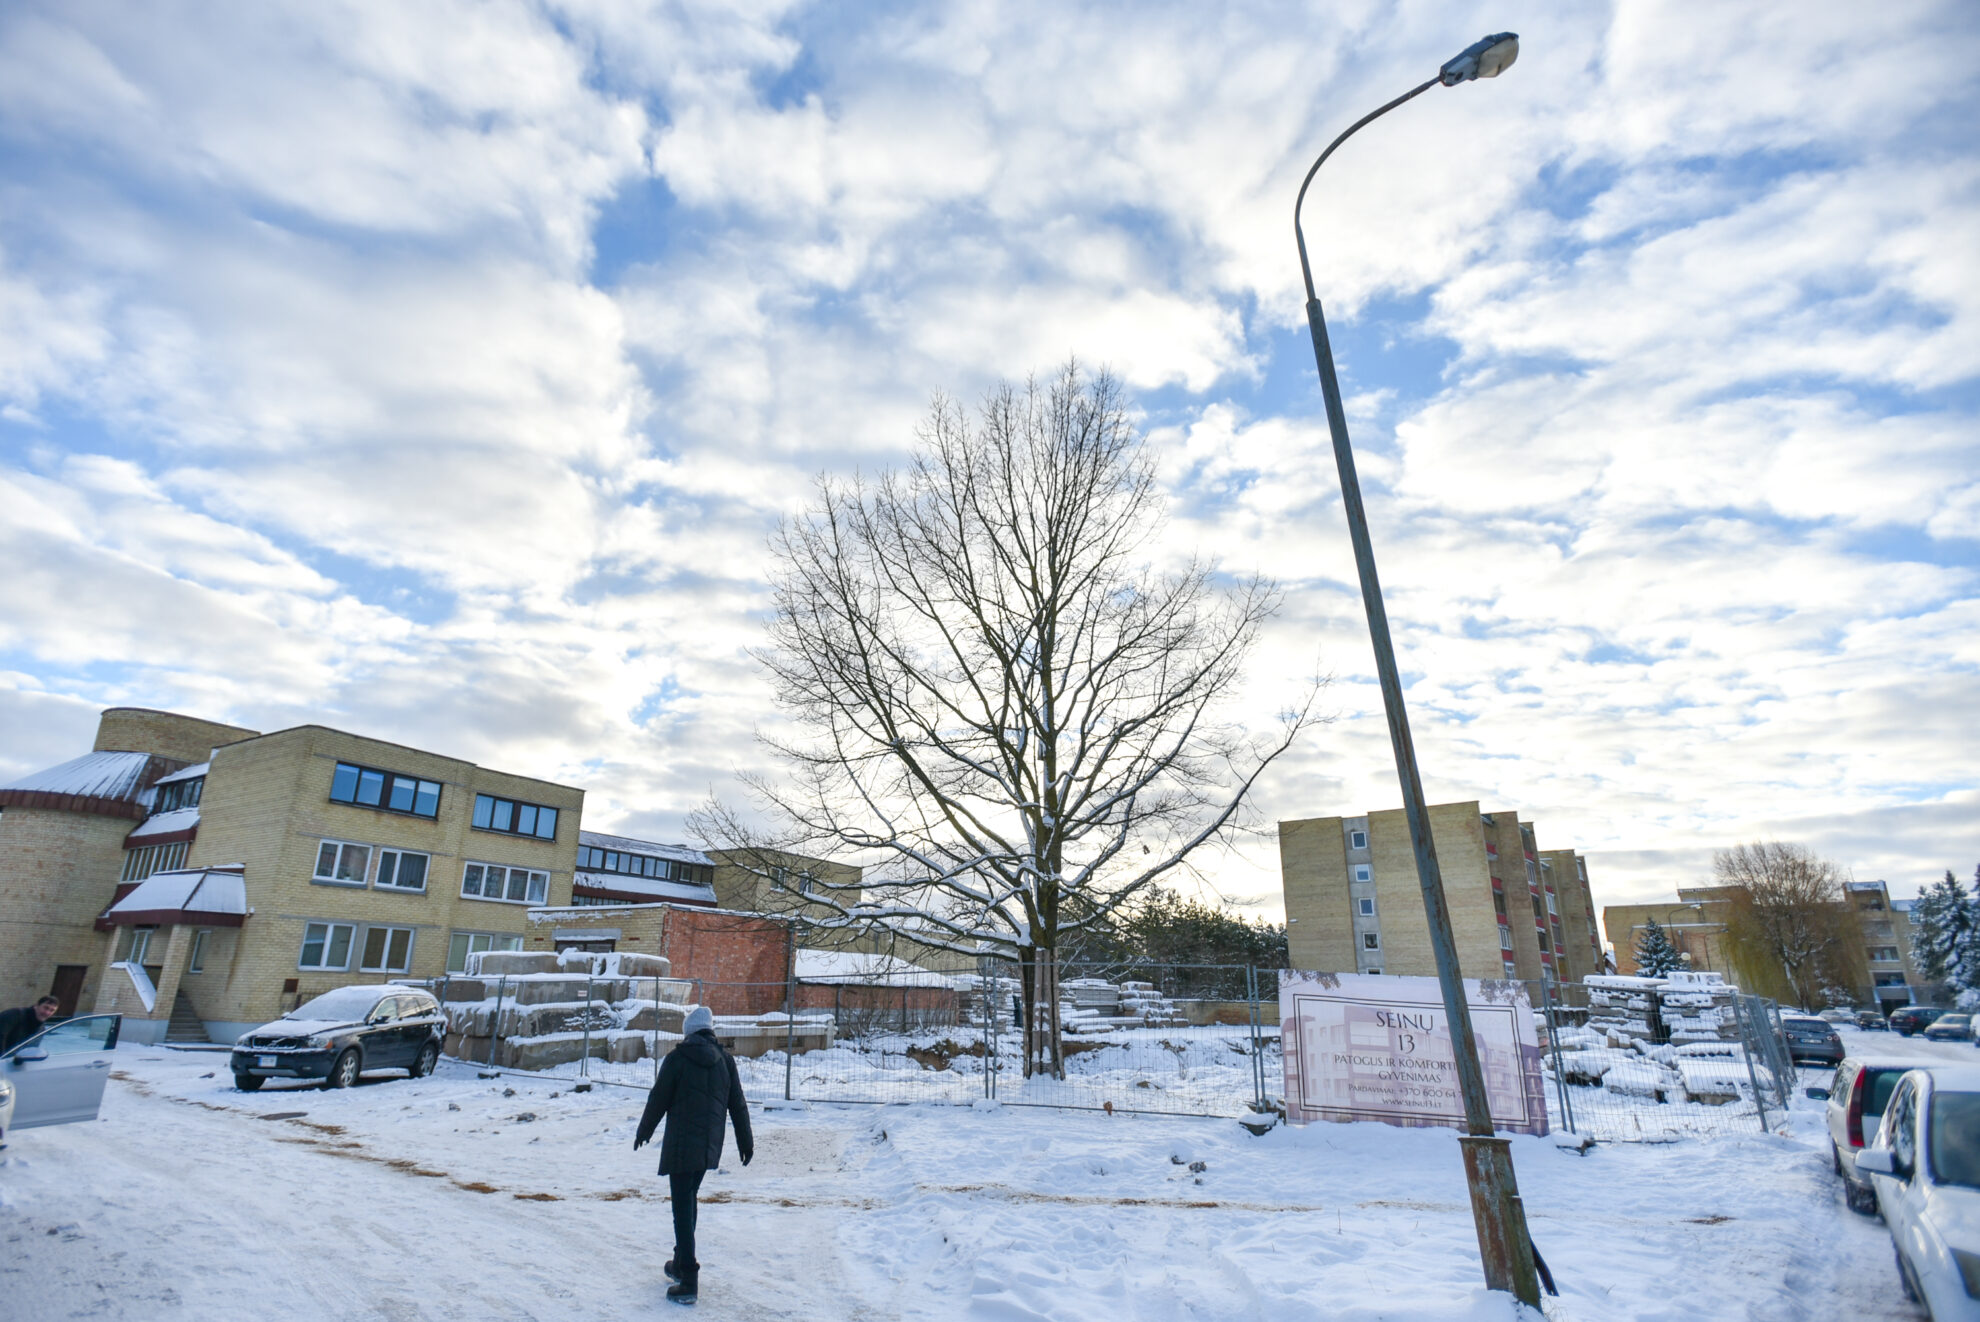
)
(685, 1186)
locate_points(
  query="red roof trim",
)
(89, 803)
(177, 918)
(164, 838)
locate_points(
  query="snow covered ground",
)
(462, 1197)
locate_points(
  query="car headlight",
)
(322, 1039)
(1969, 1271)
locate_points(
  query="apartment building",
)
(619, 869)
(264, 869)
(1354, 903)
(1696, 926)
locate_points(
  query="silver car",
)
(1926, 1168)
(57, 1076)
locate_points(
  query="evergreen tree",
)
(1945, 933)
(1656, 957)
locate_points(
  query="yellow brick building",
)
(268, 869)
(1354, 904)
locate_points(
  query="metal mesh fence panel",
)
(1636, 1065)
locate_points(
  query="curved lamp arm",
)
(1486, 58)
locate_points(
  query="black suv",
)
(343, 1033)
(1909, 1019)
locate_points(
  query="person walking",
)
(698, 1083)
(24, 1021)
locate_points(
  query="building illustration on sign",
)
(1372, 1047)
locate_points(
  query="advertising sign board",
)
(1374, 1047)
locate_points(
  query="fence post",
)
(1554, 1046)
(495, 1024)
(584, 1061)
(656, 1028)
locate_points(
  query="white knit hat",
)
(697, 1019)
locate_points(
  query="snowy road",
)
(450, 1197)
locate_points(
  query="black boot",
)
(673, 1272)
(684, 1291)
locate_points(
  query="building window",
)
(402, 870)
(1888, 979)
(1373, 970)
(196, 961)
(514, 817)
(367, 787)
(139, 944)
(777, 879)
(1541, 934)
(141, 862)
(341, 863)
(326, 946)
(1362, 872)
(1884, 954)
(1367, 908)
(387, 950)
(492, 881)
(643, 865)
(1505, 937)
(178, 794)
(1371, 941)
(1357, 839)
(1550, 903)
(462, 944)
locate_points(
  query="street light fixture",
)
(1503, 1244)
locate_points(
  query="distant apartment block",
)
(1354, 904)
(1696, 925)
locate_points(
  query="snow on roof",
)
(187, 890)
(93, 775)
(688, 891)
(852, 966)
(164, 823)
(193, 772)
(630, 845)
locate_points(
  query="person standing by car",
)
(698, 1085)
(24, 1021)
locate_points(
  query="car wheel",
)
(1861, 1201)
(429, 1056)
(249, 1082)
(1904, 1278)
(344, 1072)
(1835, 1158)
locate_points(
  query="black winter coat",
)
(698, 1082)
(18, 1025)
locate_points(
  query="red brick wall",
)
(741, 961)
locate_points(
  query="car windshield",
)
(1956, 1138)
(1952, 1021)
(346, 1005)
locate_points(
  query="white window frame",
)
(1371, 940)
(386, 966)
(140, 944)
(508, 870)
(398, 856)
(488, 940)
(1367, 906)
(141, 862)
(370, 859)
(1357, 839)
(196, 958)
(1505, 937)
(1363, 872)
(329, 940)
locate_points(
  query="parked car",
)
(1909, 1019)
(57, 1076)
(1925, 1166)
(1837, 1015)
(341, 1034)
(1872, 1021)
(1811, 1040)
(1951, 1028)
(1856, 1098)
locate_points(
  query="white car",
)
(57, 1076)
(1926, 1170)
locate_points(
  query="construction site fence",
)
(1146, 1038)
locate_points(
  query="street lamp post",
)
(1503, 1244)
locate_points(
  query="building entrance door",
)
(67, 987)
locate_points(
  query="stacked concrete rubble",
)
(534, 1009)
(1094, 1005)
(1700, 1058)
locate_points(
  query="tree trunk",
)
(1043, 1051)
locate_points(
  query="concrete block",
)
(666, 1018)
(543, 1053)
(626, 1049)
(632, 964)
(494, 963)
(467, 989)
(543, 991)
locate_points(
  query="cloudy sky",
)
(437, 371)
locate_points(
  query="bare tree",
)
(1790, 916)
(998, 699)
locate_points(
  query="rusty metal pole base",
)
(1502, 1243)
